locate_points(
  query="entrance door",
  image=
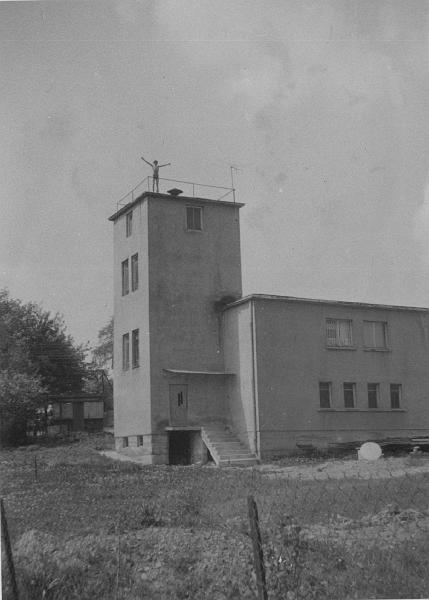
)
(178, 405)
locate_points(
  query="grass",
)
(182, 532)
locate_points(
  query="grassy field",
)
(84, 526)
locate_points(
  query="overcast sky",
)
(323, 105)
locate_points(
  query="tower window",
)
(325, 394)
(126, 351)
(129, 223)
(194, 218)
(125, 278)
(134, 272)
(135, 348)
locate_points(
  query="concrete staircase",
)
(225, 448)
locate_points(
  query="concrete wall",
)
(292, 358)
(237, 324)
(132, 408)
(189, 271)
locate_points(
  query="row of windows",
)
(194, 220)
(350, 399)
(135, 360)
(339, 334)
(126, 274)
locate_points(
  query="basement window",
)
(194, 218)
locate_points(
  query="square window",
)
(134, 272)
(375, 334)
(194, 218)
(126, 351)
(373, 395)
(125, 278)
(349, 395)
(325, 394)
(339, 333)
(135, 348)
(129, 223)
(395, 395)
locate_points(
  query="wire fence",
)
(88, 527)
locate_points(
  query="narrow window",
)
(139, 440)
(134, 272)
(339, 333)
(125, 278)
(325, 394)
(194, 220)
(395, 395)
(373, 395)
(375, 334)
(124, 442)
(135, 348)
(349, 395)
(129, 223)
(126, 351)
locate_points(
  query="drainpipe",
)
(254, 380)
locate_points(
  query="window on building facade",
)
(134, 272)
(135, 348)
(373, 395)
(339, 333)
(325, 394)
(375, 334)
(395, 395)
(125, 278)
(194, 218)
(126, 351)
(139, 440)
(349, 395)
(129, 223)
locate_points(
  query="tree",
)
(37, 357)
(102, 354)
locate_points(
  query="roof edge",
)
(345, 303)
(145, 195)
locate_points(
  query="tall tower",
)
(176, 261)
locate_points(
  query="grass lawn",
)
(91, 527)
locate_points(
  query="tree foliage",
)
(102, 354)
(37, 357)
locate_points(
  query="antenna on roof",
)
(232, 179)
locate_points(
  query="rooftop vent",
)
(175, 192)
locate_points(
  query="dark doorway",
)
(179, 447)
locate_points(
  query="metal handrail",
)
(148, 179)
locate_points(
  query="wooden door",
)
(178, 405)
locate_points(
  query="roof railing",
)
(207, 191)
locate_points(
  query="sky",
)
(322, 106)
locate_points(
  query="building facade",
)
(198, 368)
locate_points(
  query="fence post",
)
(8, 548)
(258, 555)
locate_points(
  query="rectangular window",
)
(134, 272)
(124, 442)
(125, 278)
(373, 395)
(395, 395)
(339, 333)
(126, 351)
(129, 223)
(194, 218)
(93, 410)
(375, 334)
(139, 440)
(349, 395)
(325, 394)
(135, 348)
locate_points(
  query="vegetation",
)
(37, 357)
(84, 526)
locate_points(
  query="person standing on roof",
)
(155, 168)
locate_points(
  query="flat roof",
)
(145, 195)
(344, 303)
